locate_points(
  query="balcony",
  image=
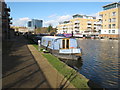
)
(10, 23)
(8, 14)
(100, 22)
(10, 19)
(76, 21)
(7, 9)
(95, 23)
(95, 26)
(76, 30)
(64, 27)
(89, 22)
(76, 25)
(89, 25)
(100, 17)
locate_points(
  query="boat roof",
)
(54, 37)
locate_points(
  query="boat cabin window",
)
(44, 41)
(49, 43)
(65, 43)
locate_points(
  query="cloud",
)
(57, 19)
(52, 19)
(52, 16)
(21, 21)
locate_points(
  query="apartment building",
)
(34, 23)
(110, 18)
(5, 20)
(79, 24)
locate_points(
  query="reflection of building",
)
(6, 20)
(110, 18)
(79, 24)
(34, 23)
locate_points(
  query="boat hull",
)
(67, 56)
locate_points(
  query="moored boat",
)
(62, 47)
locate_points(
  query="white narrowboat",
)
(62, 47)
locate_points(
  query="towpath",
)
(19, 68)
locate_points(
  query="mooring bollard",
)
(38, 45)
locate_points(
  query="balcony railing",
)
(77, 30)
(10, 23)
(10, 18)
(89, 22)
(100, 22)
(76, 21)
(7, 9)
(89, 25)
(95, 23)
(76, 25)
(100, 17)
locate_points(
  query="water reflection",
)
(76, 64)
(100, 61)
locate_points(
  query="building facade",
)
(110, 18)
(21, 29)
(79, 24)
(5, 20)
(34, 23)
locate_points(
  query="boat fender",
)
(44, 50)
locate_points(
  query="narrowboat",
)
(62, 47)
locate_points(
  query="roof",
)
(54, 37)
(111, 4)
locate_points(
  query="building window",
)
(113, 31)
(110, 20)
(101, 15)
(109, 26)
(113, 13)
(94, 27)
(109, 31)
(113, 25)
(113, 19)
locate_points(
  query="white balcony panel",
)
(76, 21)
(89, 22)
(89, 25)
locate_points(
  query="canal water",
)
(99, 62)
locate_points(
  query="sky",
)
(51, 12)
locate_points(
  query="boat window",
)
(63, 43)
(44, 41)
(67, 44)
(49, 43)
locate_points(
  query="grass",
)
(79, 81)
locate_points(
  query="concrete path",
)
(20, 69)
